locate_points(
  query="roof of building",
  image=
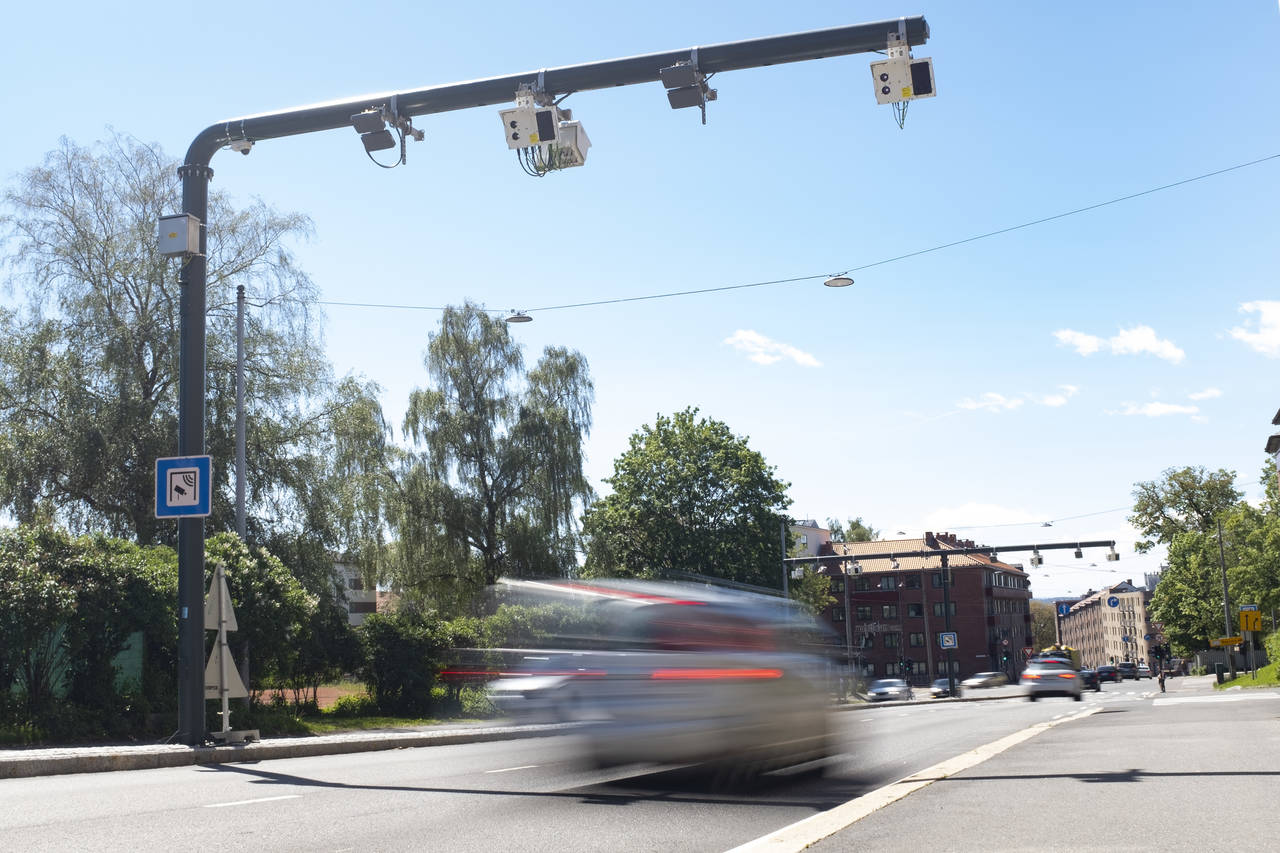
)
(941, 542)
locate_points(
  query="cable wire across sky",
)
(895, 259)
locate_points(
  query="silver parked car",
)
(887, 689)
(986, 679)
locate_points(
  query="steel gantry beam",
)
(196, 174)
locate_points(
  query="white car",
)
(1051, 677)
(889, 689)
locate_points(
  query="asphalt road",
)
(531, 794)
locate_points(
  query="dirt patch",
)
(326, 697)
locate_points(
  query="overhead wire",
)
(882, 262)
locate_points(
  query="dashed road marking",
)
(509, 769)
(250, 802)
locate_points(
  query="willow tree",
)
(493, 479)
(89, 352)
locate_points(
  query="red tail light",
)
(703, 674)
(1066, 675)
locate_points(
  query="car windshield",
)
(889, 682)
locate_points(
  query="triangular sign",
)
(235, 687)
(211, 605)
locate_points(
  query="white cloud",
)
(1206, 394)
(992, 402)
(1138, 340)
(1065, 392)
(1157, 410)
(1083, 344)
(764, 350)
(1142, 339)
(1266, 339)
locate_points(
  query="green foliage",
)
(89, 360)
(495, 478)
(1044, 624)
(855, 530)
(1272, 645)
(355, 705)
(68, 606)
(688, 495)
(403, 653)
(1188, 599)
(813, 592)
(273, 610)
(1186, 500)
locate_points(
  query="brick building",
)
(896, 609)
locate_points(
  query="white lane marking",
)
(1238, 697)
(865, 719)
(509, 769)
(811, 830)
(247, 802)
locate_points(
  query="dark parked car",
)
(1128, 669)
(941, 688)
(1107, 672)
(1089, 679)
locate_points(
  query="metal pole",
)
(191, 392)
(786, 587)
(848, 625)
(1226, 602)
(240, 466)
(928, 635)
(946, 615)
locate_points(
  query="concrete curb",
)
(101, 759)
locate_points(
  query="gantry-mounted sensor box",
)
(902, 79)
(527, 126)
(179, 235)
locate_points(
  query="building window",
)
(355, 583)
(861, 584)
(837, 585)
(363, 607)
(889, 582)
(941, 667)
(916, 640)
(912, 581)
(837, 614)
(915, 609)
(804, 539)
(864, 612)
(889, 611)
(892, 640)
(937, 608)
(937, 580)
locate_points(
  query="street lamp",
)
(838, 281)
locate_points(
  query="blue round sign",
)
(1146, 637)
(1113, 602)
(1064, 609)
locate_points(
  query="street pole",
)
(191, 280)
(848, 627)
(946, 615)
(240, 466)
(786, 586)
(1226, 602)
(550, 83)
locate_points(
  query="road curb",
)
(103, 759)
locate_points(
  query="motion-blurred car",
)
(1128, 669)
(1107, 672)
(889, 689)
(543, 688)
(1049, 677)
(1144, 671)
(696, 675)
(942, 688)
(985, 679)
(1089, 679)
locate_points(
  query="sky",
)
(978, 386)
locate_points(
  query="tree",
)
(855, 530)
(493, 482)
(89, 364)
(689, 495)
(1044, 624)
(1186, 499)
(1188, 599)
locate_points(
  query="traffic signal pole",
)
(552, 82)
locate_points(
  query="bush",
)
(1272, 645)
(402, 655)
(355, 705)
(1199, 670)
